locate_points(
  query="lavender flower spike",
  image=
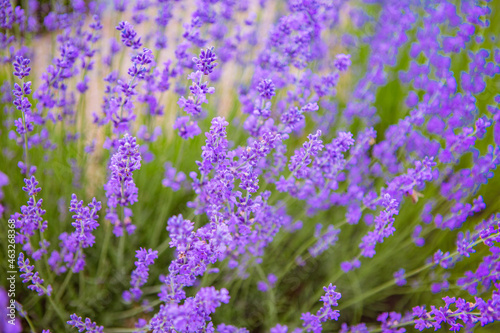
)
(140, 275)
(206, 62)
(312, 323)
(121, 189)
(21, 67)
(87, 326)
(29, 275)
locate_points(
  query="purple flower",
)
(302, 156)
(206, 61)
(215, 149)
(187, 128)
(399, 276)
(325, 240)
(30, 187)
(129, 35)
(120, 188)
(21, 67)
(173, 179)
(199, 89)
(25, 124)
(279, 329)
(30, 276)
(181, 232)
(262, 286)
(192, 316)
(145, 258)
(383, 226)
(72, 245)
(389, 320)
(347, 266)
(266, 89)
(30, 218)
(312, 323)
(266, 285)
(87, 326)
(141, 66)
(342, 62)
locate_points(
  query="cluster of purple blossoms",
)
(128, 35)
(87, 325)
(71, 256)
(118, 106)
(22, 67)
(266, 89)
(399, 276)
(312, 323)
(57, 101)
(173, 179)
(194, 251)
(30, 276)
(121, 189)
(266, 285)
(192, 315)
(384, 226)
(206, 61)
(4, 180)
(421, 175)
(187, 125)
(325, 240)
(30, 219)
(342, 62)
(24, 124)
(145, 258)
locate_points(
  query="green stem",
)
(121, 243)
(120, 330)
(410, 274)
(163, 246)
(272, 298)
(81, 284)
(301, 251)
(62, 315)
(121, 250)
(104, 251)
(28, 320)
(160, 225)
(133, 312)
(60, 293)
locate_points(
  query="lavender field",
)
(249, 166)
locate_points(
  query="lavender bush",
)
(250, 166)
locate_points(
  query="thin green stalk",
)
(301, 251)
(121, 242)
(81, 284)
(410, 274)
(133, 312)
(272, 318)
(119, 330)
(62, 315)
(160, 222)
(62, 288)
(163, 246)
(104, 251)
(28, 320)
(121, 250)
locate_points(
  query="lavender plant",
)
(264, 166)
